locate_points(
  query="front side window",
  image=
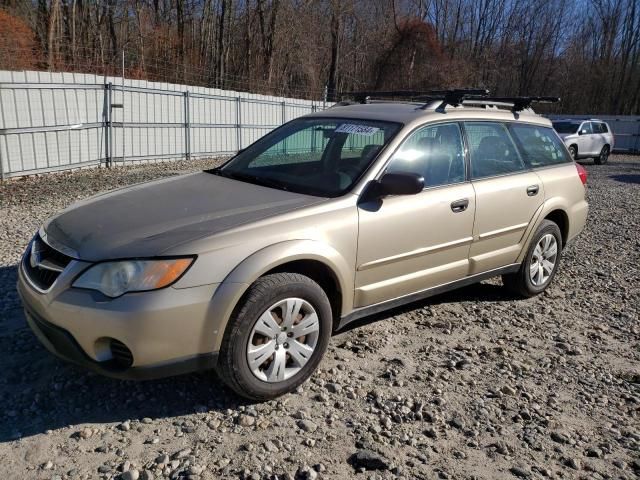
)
(491, 150)
(435, 152)
(539, 146)
(586, 129)
(315, 156)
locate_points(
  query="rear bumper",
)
(578, 219)
(62, 344)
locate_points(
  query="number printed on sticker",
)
(357, 129)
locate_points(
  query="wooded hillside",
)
(586, 51)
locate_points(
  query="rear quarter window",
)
(539, 146)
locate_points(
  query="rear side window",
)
(603, 128)
(539, 146)
(491, 150)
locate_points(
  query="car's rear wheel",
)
(540, 264)
(573, 151)
(603, 157)
(276, 336)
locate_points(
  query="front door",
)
(407, 244)
(585, 139)
(508, 195)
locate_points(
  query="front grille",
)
(43, 264)
(122, 356)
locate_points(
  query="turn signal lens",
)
(166, 272)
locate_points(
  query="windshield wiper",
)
(247, 177)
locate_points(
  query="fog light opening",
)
(121, 356)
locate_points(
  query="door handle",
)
(532, 190)
(459, 205)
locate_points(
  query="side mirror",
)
(400, 184)
(582, 132)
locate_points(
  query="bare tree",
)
(586, 51)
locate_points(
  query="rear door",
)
(508, 194)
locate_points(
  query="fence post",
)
(239, 122)
(187, 132)
(107, 125)
(1, 164)
(284, 117)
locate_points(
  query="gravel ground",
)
(471, 384)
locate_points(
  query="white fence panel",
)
(53, 121)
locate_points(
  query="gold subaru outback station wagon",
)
(250, 267)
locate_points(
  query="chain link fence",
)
(59, 121)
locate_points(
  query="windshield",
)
(314, 156)
(566, 127)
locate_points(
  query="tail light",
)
(582, 173)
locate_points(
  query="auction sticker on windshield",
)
(357, 129)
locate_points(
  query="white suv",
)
(586, 139)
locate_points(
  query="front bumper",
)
(167, 332)
(62, 344)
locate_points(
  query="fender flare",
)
(230, 291)
(550, 205)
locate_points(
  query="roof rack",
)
(367, 95)
(453, 97)
(519, 103)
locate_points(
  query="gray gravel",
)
(472, 384)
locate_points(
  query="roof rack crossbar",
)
(457, 96)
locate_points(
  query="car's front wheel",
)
(540, 264)
(573, 151)
(276, 336)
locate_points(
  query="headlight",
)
(116, 278)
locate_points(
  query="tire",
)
(280, 370)
(603, 157)
(521, 282)
(573, 151)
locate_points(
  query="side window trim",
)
(467, 151)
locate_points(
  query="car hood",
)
(146, 220)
